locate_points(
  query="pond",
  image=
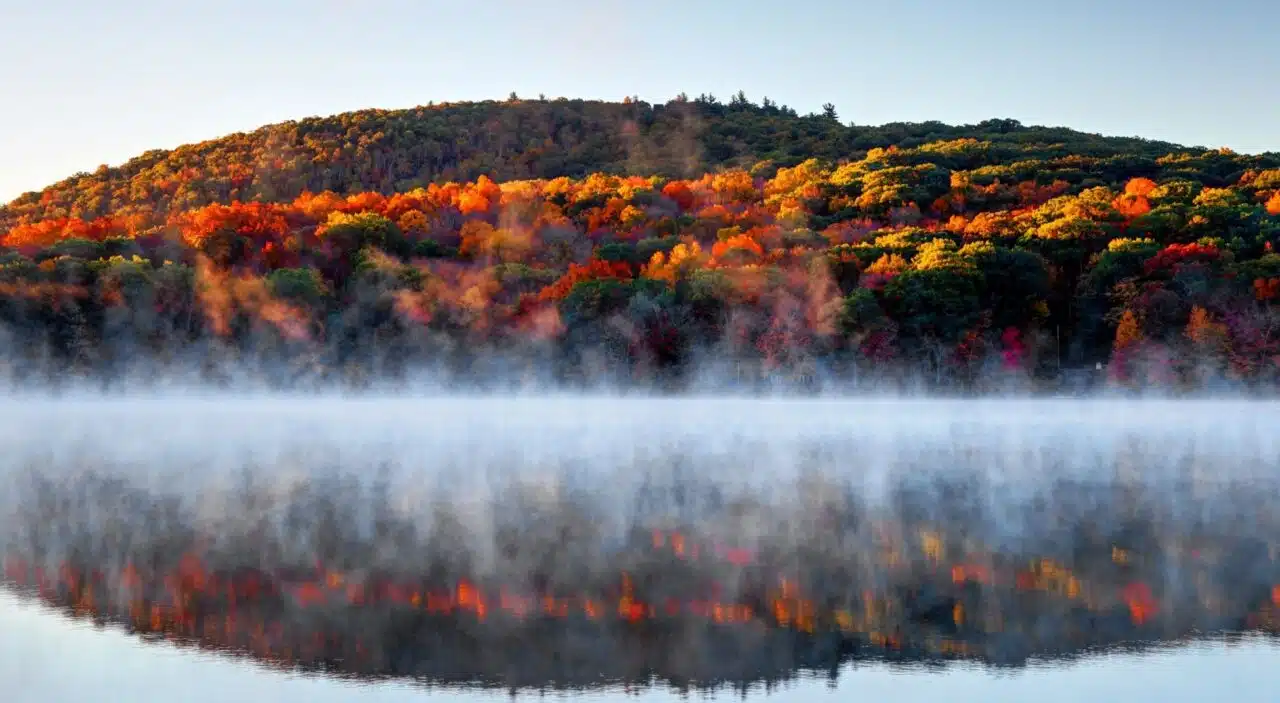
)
(45, 656)
(596, 548)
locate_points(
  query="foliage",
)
(378, 239)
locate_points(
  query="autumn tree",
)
(1128, 332)
(1273, 204)
(787, 240)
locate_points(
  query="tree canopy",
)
(643, 240)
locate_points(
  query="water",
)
(856, 501)
(45, 657)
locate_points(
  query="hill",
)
(649, 243)
(388, 151)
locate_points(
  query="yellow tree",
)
(1128, 337)
(413, 221)
(668, 267)
(888, 265)
(1128, 333)
(1207, 335)
(479, 239)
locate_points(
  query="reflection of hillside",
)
(568, 657)
(547, 597)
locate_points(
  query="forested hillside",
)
(585, 241)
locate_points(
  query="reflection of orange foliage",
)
(1140, 601)
(223, 295)
(970, 572)
(222, 606)
(593, 270)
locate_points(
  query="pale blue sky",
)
(86, 83)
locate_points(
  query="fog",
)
(556, 494)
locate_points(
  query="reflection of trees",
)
(575, 655)
(701, 585)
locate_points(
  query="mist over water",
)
(995, 530)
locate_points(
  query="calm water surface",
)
(45, 656)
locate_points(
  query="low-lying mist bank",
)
(538, 371)
(427, 434)
(699, 539)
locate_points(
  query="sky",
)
(89, 83)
